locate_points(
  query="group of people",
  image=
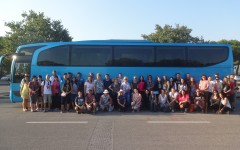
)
(97, 94)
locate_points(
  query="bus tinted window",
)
(29, 50)
(170, 56)
(133, 56)
(57, 56)
(206, 56)
(91, 56)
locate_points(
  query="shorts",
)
(39, 99)
(47, 98)
(65, 99)
(33, 99)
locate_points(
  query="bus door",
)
(20, 66)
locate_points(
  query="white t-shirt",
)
(52, 78)
(89, 86)
(47, 88)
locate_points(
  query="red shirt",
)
(141, 86)
(182, 98)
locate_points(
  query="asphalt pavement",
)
(116, 130)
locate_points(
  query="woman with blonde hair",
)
(24, 92)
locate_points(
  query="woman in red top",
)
(183, 101)
(56, 92)
(142, 88)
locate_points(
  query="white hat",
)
(105, 91)
(120, 90)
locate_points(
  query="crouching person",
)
(136, 101)
(183, 101)
(90, 102)
(106, 102)
(80, 103)
(163, 101)
(199, 101)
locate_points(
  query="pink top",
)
(182, 98)
(56, 87)
(203, 85)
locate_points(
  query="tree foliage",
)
(170, 34)
(36, 28)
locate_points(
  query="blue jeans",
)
(164, 107)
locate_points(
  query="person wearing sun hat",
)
(121, 100)
(106, 102)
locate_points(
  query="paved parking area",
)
(115, 131)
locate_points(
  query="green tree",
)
(170, 34)
(36, 28)
(33, 28)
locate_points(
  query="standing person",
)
(177, 80)
(232, 85)
(127, 91)
(173, 101)
(74, 91)
(158, 86)
(188, 79)
(106, 102)
(225, 106)
(80, 103)
(39, 96)
(136, 101)
(56, 93)
(165, 84)
(163, 101)
(107, 82)
(63, 81)
(183, 101)
(66, 95)
(218, 86)
(203, 87)
(115, 87)
(150, 83)
(210, 88)
(90, 102)
(47, 93)
(24, 92)
(193, 88)
(172, 84)
(33, 92)
(134, 83)
(142, 88)
(80, 82)
(182, 86)
(54, 73)
(121, 101)
(120, 78)
(88, 85)
(98, 88)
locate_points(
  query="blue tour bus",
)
(129, 57)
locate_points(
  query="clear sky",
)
(128, 19)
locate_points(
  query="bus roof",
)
(120, 42)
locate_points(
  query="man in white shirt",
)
(47, 93)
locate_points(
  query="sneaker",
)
(44, 110)
(61, 111)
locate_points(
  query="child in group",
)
(80, 103)
(106, 102)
